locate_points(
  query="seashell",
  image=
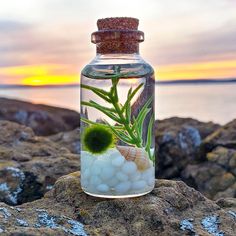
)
(138, 155)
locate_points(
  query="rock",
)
(200, 154)
(44, 120)
(177, 144)
(224, 136)
(224, 157)
(11, 183)
(215, 178)
(205, 128)
(33, 220)
(172, 208)
(227, 203)
(70, 140)
(29, 165)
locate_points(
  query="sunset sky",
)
(48, 41)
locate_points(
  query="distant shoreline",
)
(198, 81)
(169, 82)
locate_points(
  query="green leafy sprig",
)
(128, 129)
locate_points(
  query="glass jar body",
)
(117, 126)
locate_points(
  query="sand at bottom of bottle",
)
(111, 174)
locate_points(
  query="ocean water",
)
(205, 102)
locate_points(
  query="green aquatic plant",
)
(128, 129)
(97, 139)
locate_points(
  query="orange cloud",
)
(27, 70)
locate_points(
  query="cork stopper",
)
(118, 23)
(117, 35)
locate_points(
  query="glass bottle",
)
(117, 114)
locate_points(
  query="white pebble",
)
(107, 172)
(86, 160)
(138, 185)
(101, 162)
(95, 180)
(148, 174)
(123, 187)
(136, 176)
(113, 182)
(102, 188)
(121, 176)
(129, 167)
(96, 169)
(118, 160)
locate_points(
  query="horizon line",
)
(193, 81)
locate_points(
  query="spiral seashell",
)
(138, 155)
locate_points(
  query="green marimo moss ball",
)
(97, 139)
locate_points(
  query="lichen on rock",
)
(211, 225)
(22, 222)
(187, 225)
(38, 219)
(10, 189)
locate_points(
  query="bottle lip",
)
(117, 35)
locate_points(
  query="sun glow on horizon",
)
(50, 80)
(40, 75)
(52, 74)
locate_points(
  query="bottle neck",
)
(117, 58)
(117, 47)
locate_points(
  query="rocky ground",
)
(32, 158)
(172, 208)
(203, 155)
(29, 165)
